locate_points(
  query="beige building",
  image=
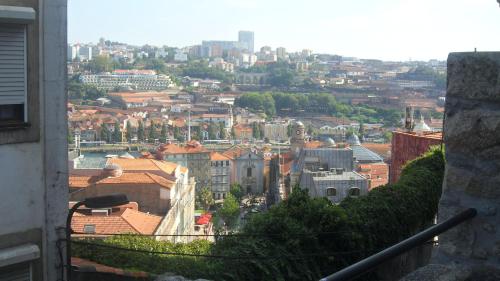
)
(159, 187)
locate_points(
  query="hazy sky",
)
(383, 29)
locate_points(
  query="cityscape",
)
(229, 160)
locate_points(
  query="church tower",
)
(298, 138)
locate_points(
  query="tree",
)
(71, 139)
(233, 133)
(205, 198)
(388, 136)
(105, 135)
(100, 64)
(117, 134)
(152, 133)
(255, 131)
(236, 191)
(163, 133)
(222, 131)
(128, 131)
(212, 131)
(230, 210)
(361, 131)
(140, 132)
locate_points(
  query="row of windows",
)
(218, 163)
(353, 191)
(219, 196)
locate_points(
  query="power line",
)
(215, 235)
(304, 256)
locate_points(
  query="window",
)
(354, 191)
(227, 163)
(13, 70)
(331, 191)
(19, 98)
(249, 172)
(89, 228)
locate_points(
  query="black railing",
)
(373, 261)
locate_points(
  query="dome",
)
(353, 140)
(112, 171)
(421, 126)
(299, 124)
(329, 142)
(127, 155)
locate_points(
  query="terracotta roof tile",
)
(142, 222)
(216, 156)
(138, 178)
(129, 221)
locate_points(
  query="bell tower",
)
(298, 138)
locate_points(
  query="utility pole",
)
(189, 123)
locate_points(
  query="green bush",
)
(301, 238)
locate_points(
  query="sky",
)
(396, 30)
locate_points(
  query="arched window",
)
(354, 191)
(331, 191)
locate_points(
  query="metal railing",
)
(420, 238)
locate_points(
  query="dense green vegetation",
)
(200, 69)
(302, 238)
(292, 103)
(80, 91)
(280, 73)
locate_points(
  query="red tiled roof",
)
(216, 156)
(377, 172)
(129, 221)
(191, 147)
(138, 178)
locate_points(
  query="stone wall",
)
(472, 179)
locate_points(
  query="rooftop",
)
(128, 221)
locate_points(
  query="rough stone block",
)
(474, 76)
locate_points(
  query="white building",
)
(180, 57)
(85, 53)
(220, 166)
(73, 52)
(276, 131)
(33, 159)
(137, 80)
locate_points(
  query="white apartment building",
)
(140, 82)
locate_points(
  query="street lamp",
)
(106, 201)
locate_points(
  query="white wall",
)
(33, 176)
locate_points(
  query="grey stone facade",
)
(470, 251)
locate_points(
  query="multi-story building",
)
(281, 53)
(140, 99)
(141, 80)
(407, 146)
(33, 139)
(159, 187)
(85, 53)
(247, 169)
(216, 49)
(246, 38)
(334, 184)
(277, 131)
(220, 166)
(73, 52)
(226, 119)
(191, 155)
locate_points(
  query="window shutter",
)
(13, 64)
(21, 274)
